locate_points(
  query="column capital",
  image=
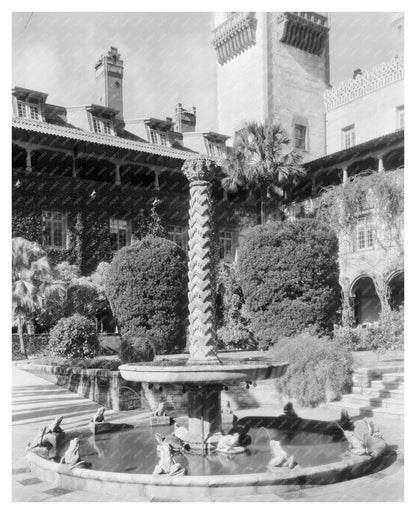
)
(199, 168)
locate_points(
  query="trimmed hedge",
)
(320, 370)
(147, 288)
(74, 337)
(289, 277)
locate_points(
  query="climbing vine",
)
(380, 195)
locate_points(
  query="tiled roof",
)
(355, 151)
(102, 139)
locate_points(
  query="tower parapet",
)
(365, 83)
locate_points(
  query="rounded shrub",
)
(289, 277)
(146, 285)
(74, 337)
(136, 349)
(320, 370)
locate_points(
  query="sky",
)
(167, 57)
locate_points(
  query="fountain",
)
(204, 375)
(217, 464)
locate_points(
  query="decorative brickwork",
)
(306, 31)
(380, 76)
(202, 336)
(235, 35)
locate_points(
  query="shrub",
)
(388, 333)
(352, 338)
(136, 349)
(289, 278)
(319, 369)
(74, 337)
(147, 288)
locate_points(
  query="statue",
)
(54, 427)
(345, 421)
(159, 416)
(242, 431)
(230, 444)
(39, 441)
(356, 446)
(280, 458)
(98, 416)
(166, 464)
(372, 431)
(289, 411)
(71, 456)
(160, 411)
(227, 414)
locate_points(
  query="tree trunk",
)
(21, 339)
(262, 207)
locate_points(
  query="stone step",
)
(359, 399)
(389, 385)
(393, 377)
(378, 392)
(380, 370)
(372, 412)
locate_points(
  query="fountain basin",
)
(178, 372)
(135, 485)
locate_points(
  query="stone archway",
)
(396, 290)
(367, 305)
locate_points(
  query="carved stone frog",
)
(356, 446)
(167, 464)
(230, 444)
(160, 411)
(98, 416)
(280, 458)
(71, 456)
(54, 427)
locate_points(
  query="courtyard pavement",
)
(36, 401)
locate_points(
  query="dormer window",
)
(158, 137)
(102, 126)
(215, 149)
(28, 110)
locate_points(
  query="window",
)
(54, 229)
(226, 245)
(120, 233)
(28, 110)
(400, 117)
(216, 149)
(158, 138)
(178, 235)
(348, 136)
(365, 236)
(101, 126)
(300, 137)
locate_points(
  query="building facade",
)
(85, 178)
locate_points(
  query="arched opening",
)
(363, 166)
(396, 287)
(394, 159)
(367, 304)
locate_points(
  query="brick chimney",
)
(185, 121)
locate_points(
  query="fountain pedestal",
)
(204, 414)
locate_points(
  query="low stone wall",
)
(108, 388)
(103, 386)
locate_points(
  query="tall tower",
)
(276, 66)
(109, 81)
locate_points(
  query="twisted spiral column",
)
(202, 336)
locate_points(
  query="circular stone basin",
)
(122, 464)
(178, 372)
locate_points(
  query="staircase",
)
(376, 391)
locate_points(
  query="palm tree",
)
(32, 282)
(262, 159)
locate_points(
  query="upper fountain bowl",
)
(179, 372)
